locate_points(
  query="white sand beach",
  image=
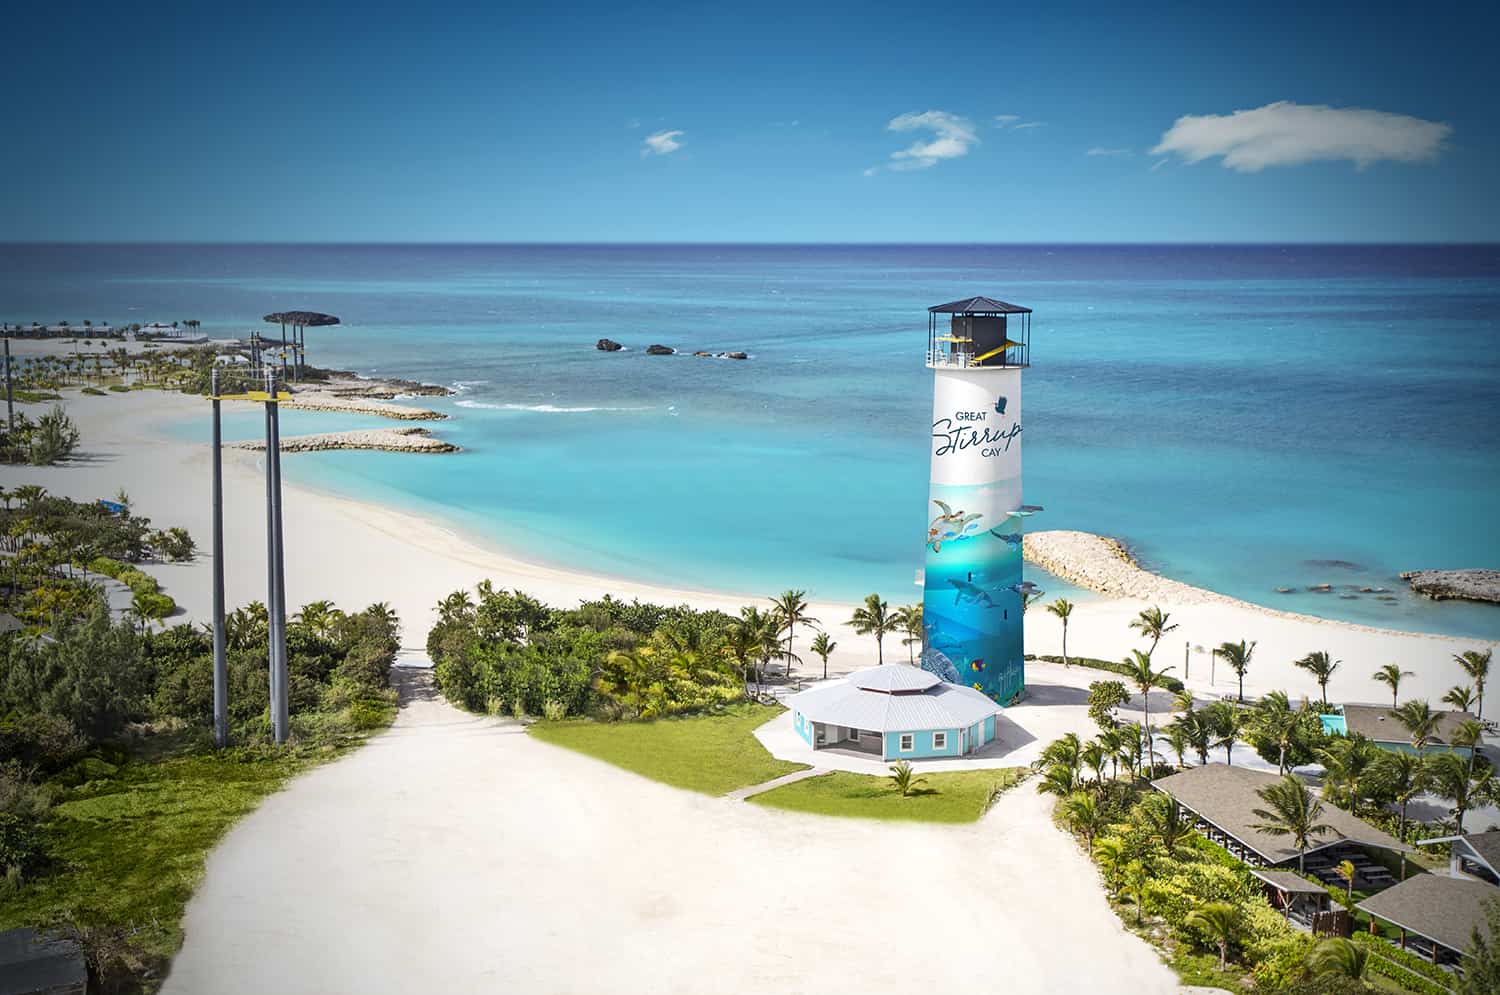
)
(355, 553)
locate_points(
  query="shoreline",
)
(1105, 565)
(355, 551)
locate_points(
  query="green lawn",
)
(127, 850)
(714, 754)
(951, 796)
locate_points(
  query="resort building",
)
(1380, 725)
(1474, 855)
(1223, 800)
(1436, 915)
(1304, 902)
(895, 712)
(973, 594)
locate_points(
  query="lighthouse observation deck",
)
(978, 333)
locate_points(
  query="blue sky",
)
(760, 122)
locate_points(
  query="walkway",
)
(740, 794)
(457, 854)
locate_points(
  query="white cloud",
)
(634, 122)
(1288, 134)
(952, 136)
(1003, 119)
(1158, 164)
(1030, 124)
(1096, 150)
(662, 143)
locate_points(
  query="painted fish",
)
(1024, 588)
(970, 593)
(977, 666)
(1025, 510)
(1000, 405)
(1013, 538)
(937, 664)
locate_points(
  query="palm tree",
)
(1164, 817)
(1228, 724)
(1136, 880)
(1336, 955)
(1421, 723)
(1177, 739)
(1152, 624)
(902, 779)
(824, 647)
(1197, 732)
(319, 618)
(1350, 769)
(742, 642)
(1460, 696)
(909, 624)
(1058, 779)
(1277, 721)
(1066, 750)
(1391, 675)
(1402, 776)
(1237, 655)
(1469, 735)
(1345, 869)
(874, 619)
(1293, 811)
(1084, 814)
(790, 607)
(1063, 609)
(1217, 921)
(1139, 672)
(1477, 665)
(1094, 756)
(456, 606)
(1451, 780)
(1110, 854)
(1321, 666)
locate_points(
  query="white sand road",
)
(456, 854)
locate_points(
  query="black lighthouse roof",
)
(979, 305)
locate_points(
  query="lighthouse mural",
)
(973, 590)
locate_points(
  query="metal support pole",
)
(1186, 661)
(280, 703)
(221, 664)
(283, 352)
(268, 381)
(10, 404)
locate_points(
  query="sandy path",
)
(455, 853)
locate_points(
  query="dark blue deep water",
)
(1240, 415)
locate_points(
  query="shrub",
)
(93, 391)
(20, 842)
(174, 544)
(1411, 962)
(42, 743)
(554, 710)
(54, 438)
(119, 388)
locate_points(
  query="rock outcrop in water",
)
(660, 350)
(608, 345)
(1466, 585)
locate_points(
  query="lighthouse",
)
(974, 594)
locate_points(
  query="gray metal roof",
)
(979, 305)
(1228, 796)
(1288, 882)
(941, 706)
(1443, 909)
(1486, 846)
(1381, 725)
(895, 679)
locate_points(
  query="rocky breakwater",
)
(1102, 564)
(1465, 585)
(389, 440)
(323, 398)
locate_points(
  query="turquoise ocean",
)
(1244, 417)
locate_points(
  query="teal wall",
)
(921, 745)
(803, 726)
